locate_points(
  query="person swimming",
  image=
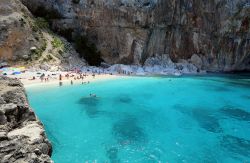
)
(92, 95)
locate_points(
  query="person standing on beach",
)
(60, 77)
(48, 77)
(60, 80)
(42, 77)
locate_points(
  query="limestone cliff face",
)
(22, 136)
(26, 40)
(130, 32)
(17, 34)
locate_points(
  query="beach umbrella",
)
(5, 69)
(22, 68)
(16, 73)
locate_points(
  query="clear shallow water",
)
(148, 119)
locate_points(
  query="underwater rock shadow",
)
(112, 154)
(123, 99)
(236, 145)
(90, 106)
(204, 117)
(89, 101)
(246, 97)
(235, 113)
(127, 131)
(206, 120)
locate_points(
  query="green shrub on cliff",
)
(38, 52)
(40, 23)
(57, 43)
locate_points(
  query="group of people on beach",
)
(76, 76)
(44, 78)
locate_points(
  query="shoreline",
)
(52, 82)
(31, 77)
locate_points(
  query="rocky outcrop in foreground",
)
(22, 136)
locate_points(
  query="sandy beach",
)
(53, 78)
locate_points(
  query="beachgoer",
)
(42, 77)
(67, 76)
(33, 78)
(92, 95)
(60, 77)
(71, 82)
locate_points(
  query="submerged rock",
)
(236, 145)
(112, 154)
(235, 113)
(203, 117)
(124, 99)
(206, 120)
(90, 106)
(22, 136)
(127, 131)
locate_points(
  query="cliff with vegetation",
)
(213, 35)
(22, 136)
(27, 40)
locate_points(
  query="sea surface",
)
(193, 119)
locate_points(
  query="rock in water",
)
(22, 136)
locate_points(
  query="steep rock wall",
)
(130, 32)
(26, 40)
(17, 33)
(22, 136)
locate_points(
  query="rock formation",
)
(17, 35)
(211, 33)
(22, 136)
(26, 40)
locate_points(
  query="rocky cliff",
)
(16, 33)
(213, 34)
(22, 136)
(27, 40)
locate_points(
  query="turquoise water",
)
(148, 119)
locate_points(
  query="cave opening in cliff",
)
(88, 51)
(41, 11)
